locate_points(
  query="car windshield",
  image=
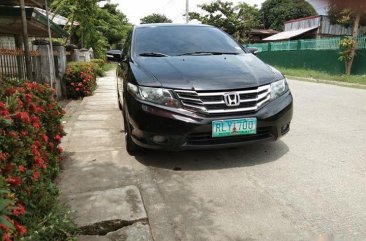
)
(163, 41)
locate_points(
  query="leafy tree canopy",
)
(345, 14)
(155, 18)
(276, 12)
(236, 20)
(100, 28)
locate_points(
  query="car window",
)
(177, 40)
(127, 45)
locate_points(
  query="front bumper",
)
(184, 130)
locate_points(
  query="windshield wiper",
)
(153, 54)
(199, 53)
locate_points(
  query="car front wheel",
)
(131, 147)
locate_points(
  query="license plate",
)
(235, 127)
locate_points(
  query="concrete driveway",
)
(309, 185)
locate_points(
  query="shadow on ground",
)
(194, 214)
(248, 155)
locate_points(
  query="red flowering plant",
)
(80, 79)
(30, 134)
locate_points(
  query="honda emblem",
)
(232, 99)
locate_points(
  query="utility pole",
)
(187, 11)
(28, 61)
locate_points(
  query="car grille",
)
(212, 103)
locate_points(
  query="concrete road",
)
(309, 184)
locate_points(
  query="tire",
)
(120, 107)
(132, 148)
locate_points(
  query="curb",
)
(331, 82)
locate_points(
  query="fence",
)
(305, 44)
(314, 54)
(12, 63)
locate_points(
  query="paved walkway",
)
(99, 180)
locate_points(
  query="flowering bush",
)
(80, 79)
(30, 134)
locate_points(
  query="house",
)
(312, 27)
(257, 35)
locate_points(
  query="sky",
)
(173, 9)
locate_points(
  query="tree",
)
(348, 13)
(113, 24)
(276, 12)
(155, 18)
(235, 20)
(99, 27)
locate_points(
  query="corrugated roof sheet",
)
(288, 34)
(30, 3)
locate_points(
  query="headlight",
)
(278, 88)
(158, 96)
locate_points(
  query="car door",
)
(123, 67)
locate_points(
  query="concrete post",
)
(61, 66)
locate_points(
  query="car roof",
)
(149, 25)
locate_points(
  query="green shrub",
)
(30, 156)
(80, 79)
(100, 62)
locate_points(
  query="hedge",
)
(30, 156)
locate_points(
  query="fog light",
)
(159, 139)
(285, 129)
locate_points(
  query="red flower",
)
(14, 181)
(21, 168)
(39, 109)
(7, 237)
(13, 134)
(28, 97)
(23, 116)
(35, 119)
(3, 227)
(8, 168)
(24, 133)
(51, 145)
(37, 143)
(59, 149)
(4, 112)
(35, 175)
(72, 83)
(57, 137)
(40, 162)
(3, 156)
(77, 89)
(19, 210)
(35, 150)
(45, 138)
(36, 125)
(2, 105)
(20, 228)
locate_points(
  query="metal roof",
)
(289, 34)
(30, 3)
(11, 23)
(57, 19)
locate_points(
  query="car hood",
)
(212, 72)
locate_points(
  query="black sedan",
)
(193, 87)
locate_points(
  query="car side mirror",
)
(115, 55)
(252, 50)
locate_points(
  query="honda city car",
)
(183, 86)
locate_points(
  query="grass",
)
(108, 66)
(319, 75)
